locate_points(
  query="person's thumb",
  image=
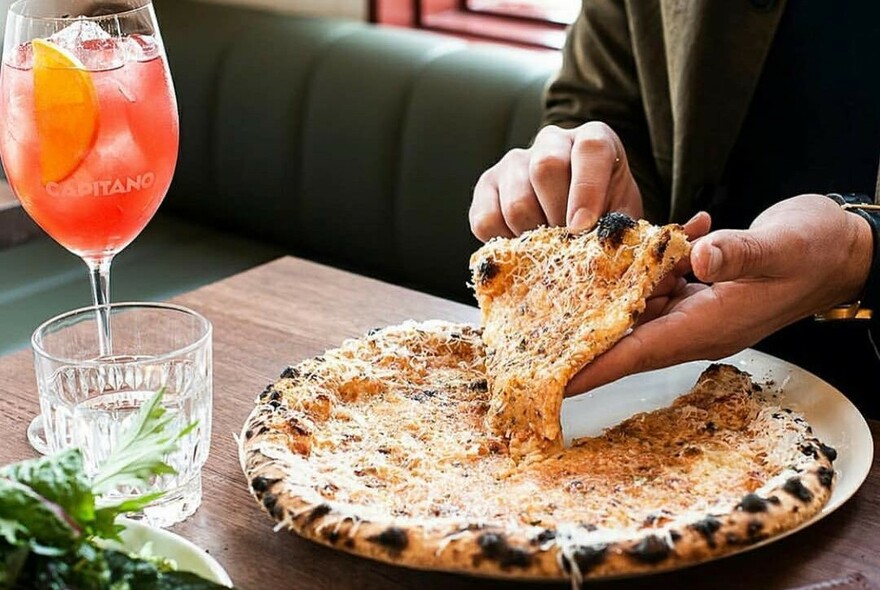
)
(727, 255)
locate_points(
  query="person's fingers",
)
(485, 215)
(674, 337)
(698, 225)
(668, 284)
(550, 171)
(682, 267)
(519, 204)
(673, 282)
(726, 255)
(695, 228)
(595, 156)
(623, 193)
(673, 285)
(654, 308)
(626, 357)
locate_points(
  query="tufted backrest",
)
(349, 143)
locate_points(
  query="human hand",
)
(568, 177)
(800, 256)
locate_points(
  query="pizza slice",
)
(552, 301)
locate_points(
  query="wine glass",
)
(88, 129)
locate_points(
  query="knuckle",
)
(514, 157)
(588, 188)
(648, 360)
(473, 213)
(518, 209)
(596, 146)
(643, 363)
(549, 131)
(753, 251)
(598, 129)
(547, 166)
(485, 182)
(482, 224)
(647, 357)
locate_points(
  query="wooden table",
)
(289, 309)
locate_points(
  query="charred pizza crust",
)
(422, 484)
(551, 302)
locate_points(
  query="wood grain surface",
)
(289, 309)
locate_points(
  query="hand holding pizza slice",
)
(551, 302)
(437, 445)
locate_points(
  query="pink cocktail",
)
(88, 128)
(114, 190)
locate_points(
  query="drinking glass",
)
(88, 128)
(88, 398)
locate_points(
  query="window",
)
(561, 12)
(538, 24)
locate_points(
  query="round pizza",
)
(384, 448)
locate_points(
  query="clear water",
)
(93, 408)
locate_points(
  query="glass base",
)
(175, 506)
(37, 435)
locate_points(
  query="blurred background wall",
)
(356, 9)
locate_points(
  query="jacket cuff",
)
(868, 305)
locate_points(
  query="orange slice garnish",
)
(66, 110)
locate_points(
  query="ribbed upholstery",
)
(350, 144)
(457, 124)
(356, 145)
(198, 37)
(259, 122)
(356, 115)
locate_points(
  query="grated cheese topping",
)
(392, 426)
(551, 302)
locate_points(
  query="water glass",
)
(88, 398)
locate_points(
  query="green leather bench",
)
(338, 141)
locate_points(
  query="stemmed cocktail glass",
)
(88, 128)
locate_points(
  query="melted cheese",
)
(551, 302)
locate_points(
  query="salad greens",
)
(54, 535)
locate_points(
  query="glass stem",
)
(99, 273)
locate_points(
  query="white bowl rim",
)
(219, 574)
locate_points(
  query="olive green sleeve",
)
(598, 81)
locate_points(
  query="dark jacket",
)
(674, 79)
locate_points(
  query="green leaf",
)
(139, 573)
(140, 454)
(12, 531)
(105, 517)
(83, 568)
(49, 522)
(48, 527)
(61, 479)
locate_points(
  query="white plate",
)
(835, 420)
(189, 557)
